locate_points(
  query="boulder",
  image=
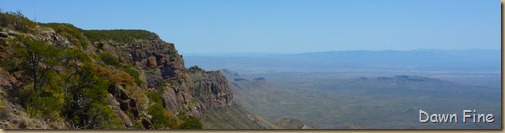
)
(4, 34)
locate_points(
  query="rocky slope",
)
(259, 95)
(122, 77)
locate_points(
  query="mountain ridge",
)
(100, 79)
(424, 59)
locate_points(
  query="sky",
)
(286, 26)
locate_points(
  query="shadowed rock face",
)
(192, 89)
(211, 87)
(159, 59)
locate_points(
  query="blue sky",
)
(286, 26)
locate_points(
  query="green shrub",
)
(74, 34)
(190, 123)
(7, 19)
(103, 117)
(11, 64)
(134, 73)
(160, 118)
(153, 96)
(47, 106)
(16, 20)
(109, 59)
(138, 124)
(121, 36)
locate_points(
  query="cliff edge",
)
(57, 76)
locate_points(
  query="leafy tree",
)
(37, 60)
(71, 59)
(87, 104)
(48, 102)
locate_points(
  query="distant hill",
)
(404, 82)
(424, 59)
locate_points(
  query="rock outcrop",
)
(192, 90)
(211, 88)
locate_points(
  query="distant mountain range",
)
(423, 59)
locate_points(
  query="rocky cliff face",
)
(211, 88)
(183, 90)
(154, 65)
(162, 67)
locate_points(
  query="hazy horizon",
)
(304, 52)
